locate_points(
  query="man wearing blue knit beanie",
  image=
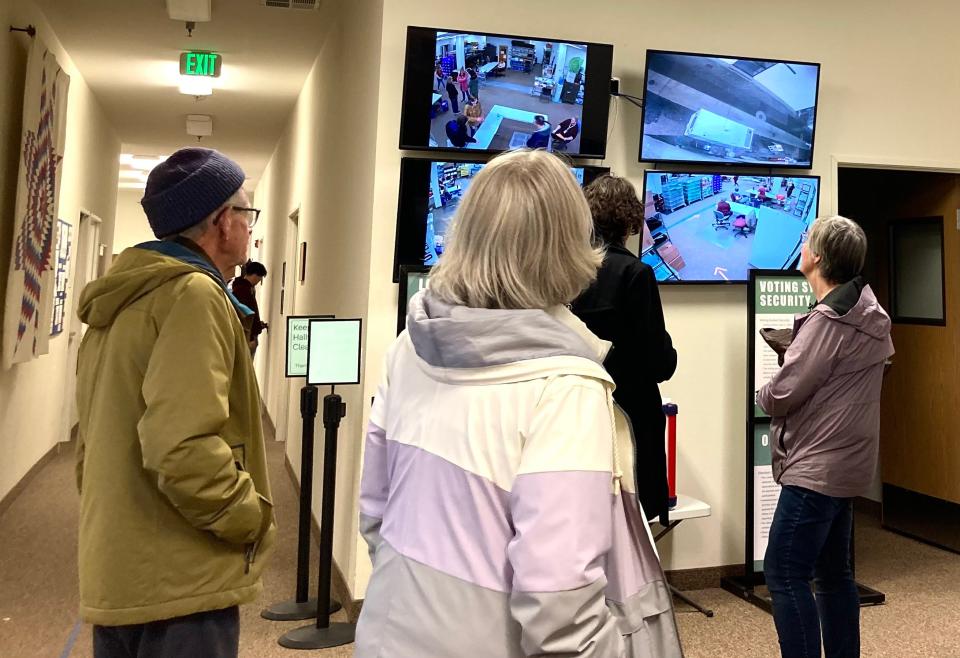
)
(175, 512)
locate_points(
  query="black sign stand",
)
(325, 634)
(302, 607)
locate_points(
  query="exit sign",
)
(200, 63)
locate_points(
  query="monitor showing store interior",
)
(478, 92)
(707, 108)
(430, 191)
(716, 227)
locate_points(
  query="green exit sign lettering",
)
(201, 64)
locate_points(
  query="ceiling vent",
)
(293, 4)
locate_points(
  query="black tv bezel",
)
(734, 282)
(406, 201)
(405, 270)
(592, 96)
(711, 163)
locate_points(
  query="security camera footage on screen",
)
(449, 181)
(716, 109)
(717, 227)
(497, 93)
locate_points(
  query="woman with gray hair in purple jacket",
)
(825, 408)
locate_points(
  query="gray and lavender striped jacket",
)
(491, 497)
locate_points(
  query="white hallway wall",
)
(324, 166)
(887, 92)
(32, 394)
(132, 226)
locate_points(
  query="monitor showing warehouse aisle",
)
(710, 108)
(716, 227)
(430, 192)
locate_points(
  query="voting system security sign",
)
(298, 343)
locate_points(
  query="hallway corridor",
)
(38, 569)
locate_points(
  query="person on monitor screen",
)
(790, 187)
(540, 139)
(501, 522)
(244, 289)
(474, 83)
(623, 306)
(566, 131)
(453, 94)
(724, 208)
(175, 515)
(457, 132)
(825, 408)
(463, 81)
(438, 77)
(474, 113)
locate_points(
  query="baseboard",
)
(925, 518)
(269, 428)
(703, 578)
(339, 589)
(18, 488)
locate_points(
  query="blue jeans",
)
(810, 540)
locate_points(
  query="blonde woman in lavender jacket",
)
(497, 495)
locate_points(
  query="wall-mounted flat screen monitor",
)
(481, 92)
(430, 191)
(716, 227)
(711, 108)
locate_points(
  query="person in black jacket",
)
(243, 288)
(623, 307)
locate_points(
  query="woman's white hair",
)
(841, 245)
(521, 238)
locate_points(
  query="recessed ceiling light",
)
(195, 86)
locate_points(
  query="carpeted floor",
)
(38, 591)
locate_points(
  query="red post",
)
(671, 411)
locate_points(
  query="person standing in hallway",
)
(498, 516)
(623, 306)
(825, 408)
(474, 84)
(175, 513)
(244, 288)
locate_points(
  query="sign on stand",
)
(298, 343)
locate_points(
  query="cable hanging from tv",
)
(635, 100)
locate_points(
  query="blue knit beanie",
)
(186, 187)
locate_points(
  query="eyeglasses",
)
(252, 214)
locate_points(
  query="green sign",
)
(201, 64)
(298, 343)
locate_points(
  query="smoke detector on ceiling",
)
(193, 11)
(199, 125)
(293, 4)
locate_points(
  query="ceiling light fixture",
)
(197, 87)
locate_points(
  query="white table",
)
(687, 507)
(486, 68)
(491, 124)
(436, 98)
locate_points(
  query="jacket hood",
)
(868, 322)
(467, 343)
(138, 271)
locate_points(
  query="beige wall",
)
(132, 226)
(324, 166)
(32, 395)
(887, 93)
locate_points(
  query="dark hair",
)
(539, 119)
(253, 267)
(616, 210)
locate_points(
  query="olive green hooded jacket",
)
(175, 515)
